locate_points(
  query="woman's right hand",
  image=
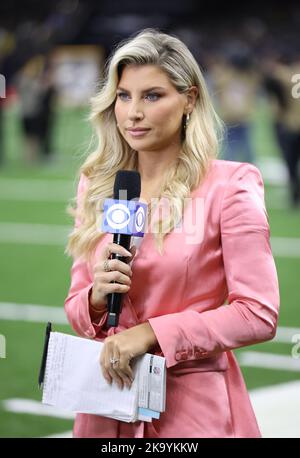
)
(120, 272)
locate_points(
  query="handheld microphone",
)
(124, 217)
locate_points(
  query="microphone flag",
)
(124, 217)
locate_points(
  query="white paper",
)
(74, 381)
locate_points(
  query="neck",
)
(153, 166)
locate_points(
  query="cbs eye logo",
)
(118, 217)
(139, 219)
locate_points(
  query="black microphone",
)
(127, 184)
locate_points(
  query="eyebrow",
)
(145, 90)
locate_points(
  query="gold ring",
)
(106, 266)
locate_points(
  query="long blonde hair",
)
(200, 139)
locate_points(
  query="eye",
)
(153, 96)
(122, 95)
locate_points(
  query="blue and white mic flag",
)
(124, 217)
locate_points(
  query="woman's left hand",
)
(121, 348)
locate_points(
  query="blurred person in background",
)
(1, 129)
(235, 84)
(36, 92)
(280, 83)
(154, 115)
(7, 45)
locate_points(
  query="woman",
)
(153, 114)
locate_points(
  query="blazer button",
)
(178, 356)
(184, 355)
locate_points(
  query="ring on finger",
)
(113, 361)
(106, 266)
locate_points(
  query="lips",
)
(137, 129)
(138, 132)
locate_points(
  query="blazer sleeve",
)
(77, 301)
(253, 292)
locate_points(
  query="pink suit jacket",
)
(203, 298)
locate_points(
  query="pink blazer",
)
(208, 294)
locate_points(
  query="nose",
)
(134, 111)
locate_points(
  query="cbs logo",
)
(119, 216)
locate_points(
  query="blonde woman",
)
(203, 280)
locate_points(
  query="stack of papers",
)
(73, 381)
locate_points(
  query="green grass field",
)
(37, 273)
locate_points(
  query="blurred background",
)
(51, 59)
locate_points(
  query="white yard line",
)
(286, 334)
(34, 234)
(36, 190)
(53, 234)
(269, 361)
(286, 247)
(42, 313)
(33, 407)
(66, 434)
(277, 409)
(32, 313)
(273, 170)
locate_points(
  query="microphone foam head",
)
(128, 184)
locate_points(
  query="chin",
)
(140, 144)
